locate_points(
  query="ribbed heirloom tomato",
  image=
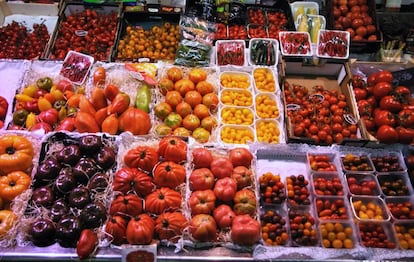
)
(201, 179)
(16, 153)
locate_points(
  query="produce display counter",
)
(249, 123)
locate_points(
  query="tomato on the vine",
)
(390, 103)
(384, 76)
(406, 117)
(387, 134)
(360, 93)
(384, 117)
(381, 89)
(405, 135)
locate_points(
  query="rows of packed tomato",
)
(91, 185)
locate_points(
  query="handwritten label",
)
(404, 77)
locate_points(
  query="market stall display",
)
(236, 149)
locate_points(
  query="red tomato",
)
(202, 201)
(403, 93)
(406, 117)
(50, 116)
(405, 135)
(201, 179)
(202, 157)
(67, 124)
(384, 76)
(387, 134)
(221, 167)
(203, 228)
(240, 157)
(360, 93)
(42, 126)
(390, 103)
(225, 189)
(87, 243)
(223, 214)
(245, 230)
(381, 89)
(384, 117)
(4, 105)
(64, 85)
(243, 176)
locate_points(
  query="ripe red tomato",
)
(223, 214)
(384, 76)
(384, 117)
(381, 89)
(406, 118)
(245, 230)
(360, 93)
(4, 105)
(201, 179)
(240, 157)
(221, 167)
(202, 157)
(387, 134)
(225, 189)
(202, 202)
(405, 135)
(390, 103)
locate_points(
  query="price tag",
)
(292, 107)
(350, 119)
(81, 33)
(316, 98)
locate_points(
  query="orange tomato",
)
(173, 98)
(181, 131)
(201, 111)
(211, 100)
(165, 85)
(183, 109)
(183, 86)
(174, 74)
(193, 98)
(110, 125)
(13, 184)
(99, 76)
(204, 87)
(162, 110)
(191, 122)
(7, 219)
(197, 75)
(209, 123)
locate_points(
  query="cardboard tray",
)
(146, 21)
(402, 73)
(363, 46)
(69, 8)
(330, 76)
(30, 14)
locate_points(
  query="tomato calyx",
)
(10, 150)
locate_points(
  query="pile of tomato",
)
(319, 114)
(16, 153)
(222, 198)
(386, 110)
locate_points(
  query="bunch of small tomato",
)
(319, 114)
(387, 110)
